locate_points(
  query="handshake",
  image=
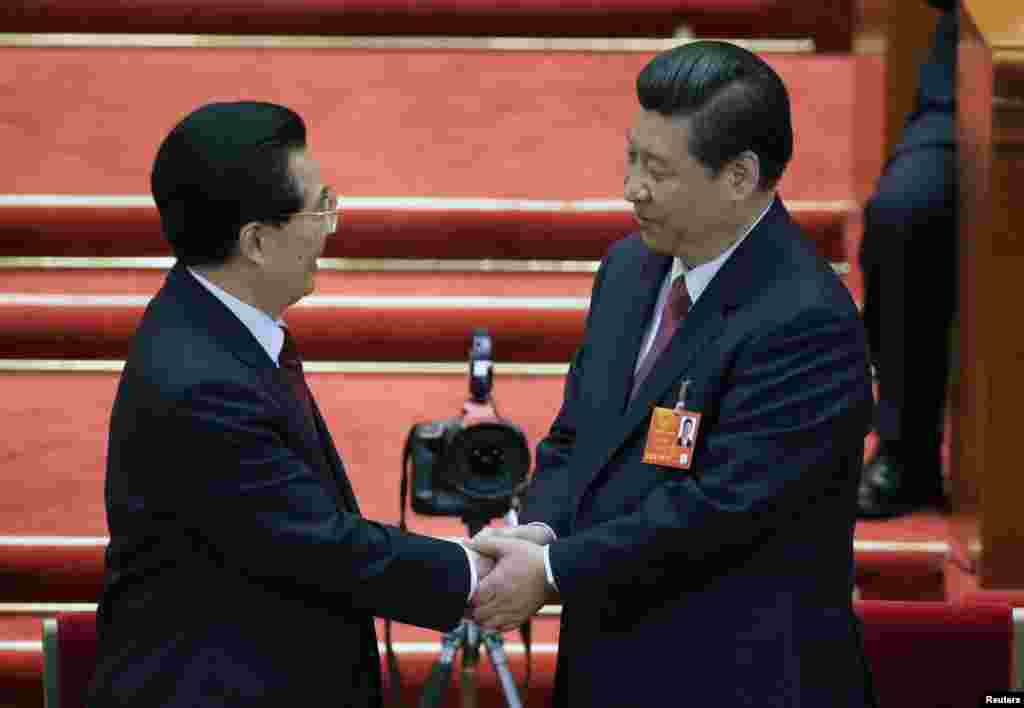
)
(511, 576)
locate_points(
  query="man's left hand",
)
(517, 586)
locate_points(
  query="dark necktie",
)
(677, 304)
(291, 368)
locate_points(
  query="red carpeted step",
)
(56, 423)
(900, 570)
(330, 280)
(369, 328)
(831, 23)
(521, 125)
(106, 226)
(47, 570)
(21, 674)
(336, 328)
(55, 448)
(902, 558)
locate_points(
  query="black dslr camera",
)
(472, 465)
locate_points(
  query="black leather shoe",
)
(885, 493)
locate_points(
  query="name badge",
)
(672, 435)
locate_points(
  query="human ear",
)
(743, 174)
(252, 242)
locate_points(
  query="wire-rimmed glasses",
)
(328, 208)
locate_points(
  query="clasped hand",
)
(512, 583)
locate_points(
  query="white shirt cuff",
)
(547, 568)
(551, 531)
(472, 574)
(547, 557)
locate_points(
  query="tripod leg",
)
(496, 651)
(441, 674)
(470, 661)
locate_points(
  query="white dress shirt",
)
(267, 331)
(697, 281)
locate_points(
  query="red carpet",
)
(830, 24)
(394, 123)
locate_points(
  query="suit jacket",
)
(729, 584)
(239, 571)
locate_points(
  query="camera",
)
(472, 465)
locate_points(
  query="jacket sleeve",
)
(797, 404)
(548, 498)
(267, 515)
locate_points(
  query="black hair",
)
(733, 99)
(223, 166)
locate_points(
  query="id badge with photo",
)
(672, 437)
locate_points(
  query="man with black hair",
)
(726, 579)
(240, 571)
(914, 212)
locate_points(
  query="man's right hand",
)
(534, 533)
(484, 564)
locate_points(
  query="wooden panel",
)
(1002, 523)
(1001, 23)
(987, 479)
(909, 25)
(974, 124)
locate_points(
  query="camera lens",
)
(489, 461)
(486, 461)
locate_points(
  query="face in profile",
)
(291, 250)
(681, 207)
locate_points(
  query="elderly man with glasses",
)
(239, 570)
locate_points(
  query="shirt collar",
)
(264, 328)
(698, 278)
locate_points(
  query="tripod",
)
(468, 636)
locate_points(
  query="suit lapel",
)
(703, 323)
(209, 312)
(619, 348)
(733, 285)
(317, 448)
(700, 328)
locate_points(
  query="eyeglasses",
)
(328, 208)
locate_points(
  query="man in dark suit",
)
(909, 259)
(728, 583)
(239, 570)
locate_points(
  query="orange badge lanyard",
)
(672, 435)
